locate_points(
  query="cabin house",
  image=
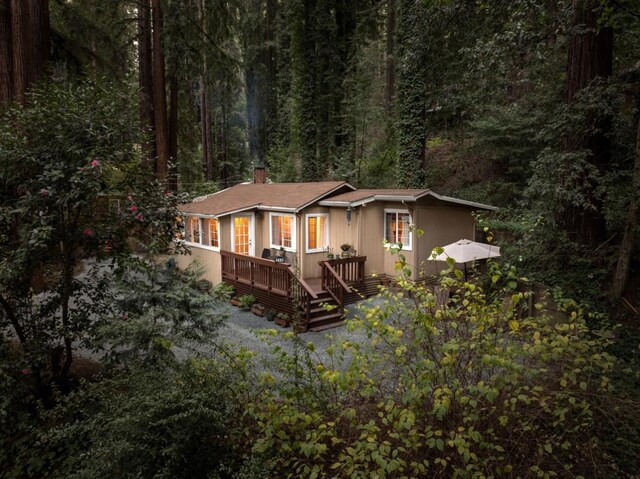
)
(273, 240)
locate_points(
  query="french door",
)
(242, 234)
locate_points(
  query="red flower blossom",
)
(133, 208)
(25, 371)
(139, 217)
(129, 198)
(95, 163)
(44, 192)
(88, 232)
(124, 317)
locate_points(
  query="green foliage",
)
(155, 309)
(178, 424)
(223, 291)
(246, 301)
(482, 385)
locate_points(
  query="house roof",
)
(361, 197)
(289, 197)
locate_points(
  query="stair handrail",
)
(341, 282)
(303, 283)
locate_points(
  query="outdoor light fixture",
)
(348, 215)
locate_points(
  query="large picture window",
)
(283, 231)
(396, 227)
(317, 232)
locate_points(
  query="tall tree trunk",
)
(147, 119)
(159, 96)
(590, 57)
(270, 117)
(390, 74)
(173, 123)
(205, 110)
(410, 123)
(630, 231)
(41, 37)
(6, 55)
(20, 41)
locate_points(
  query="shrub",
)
(246, 301)
(475, 388)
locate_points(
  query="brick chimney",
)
(259, 174)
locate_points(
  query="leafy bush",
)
(246, 301)
(223, 291)
(482, 386)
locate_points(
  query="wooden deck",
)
(276, 286)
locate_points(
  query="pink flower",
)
(129, 198)
(133, 208)
(167, 194)
(88, 232)
(124, 317)
(95, 163)
(139, 216)
(44, 192)
(25, 371)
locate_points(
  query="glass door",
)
(242, 234)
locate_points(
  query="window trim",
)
(201, 220)
(252, 231)
(396, 211)
(209, 246)
(292, 248)
(306, 228)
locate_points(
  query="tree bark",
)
(41, 37)
(6, 55)
(159, 96)
(589, 57)
(173, 123)
(147, 119)
(20, 41)
(390, 74)
(630, 231)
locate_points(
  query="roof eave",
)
(318, 200)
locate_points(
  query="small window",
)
(396, 227)
(317, 233)
(283, 230)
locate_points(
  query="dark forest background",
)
(529, 105)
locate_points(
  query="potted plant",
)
(235, 301)
(271, 314)
(330, 254)
(246, 301)
(345, 250)
(258, 309)
(282, 320)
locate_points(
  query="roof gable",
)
(267, 196)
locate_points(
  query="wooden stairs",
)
(324, 313)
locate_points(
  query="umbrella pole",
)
(465, 272)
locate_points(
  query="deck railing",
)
(267, 275)
(351, 270)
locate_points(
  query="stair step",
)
(322, 327)
(326, 320)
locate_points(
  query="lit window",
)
(317, 233)
(213, 233)
(283, 230)
(396, 227)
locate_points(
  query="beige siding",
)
(442, 226)
(208, 259)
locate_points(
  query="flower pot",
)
(258, 310)
(283, 322)
(235, 302)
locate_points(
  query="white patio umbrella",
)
(464, 250)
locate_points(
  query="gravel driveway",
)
(243, 329)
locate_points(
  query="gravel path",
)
(242, 329)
